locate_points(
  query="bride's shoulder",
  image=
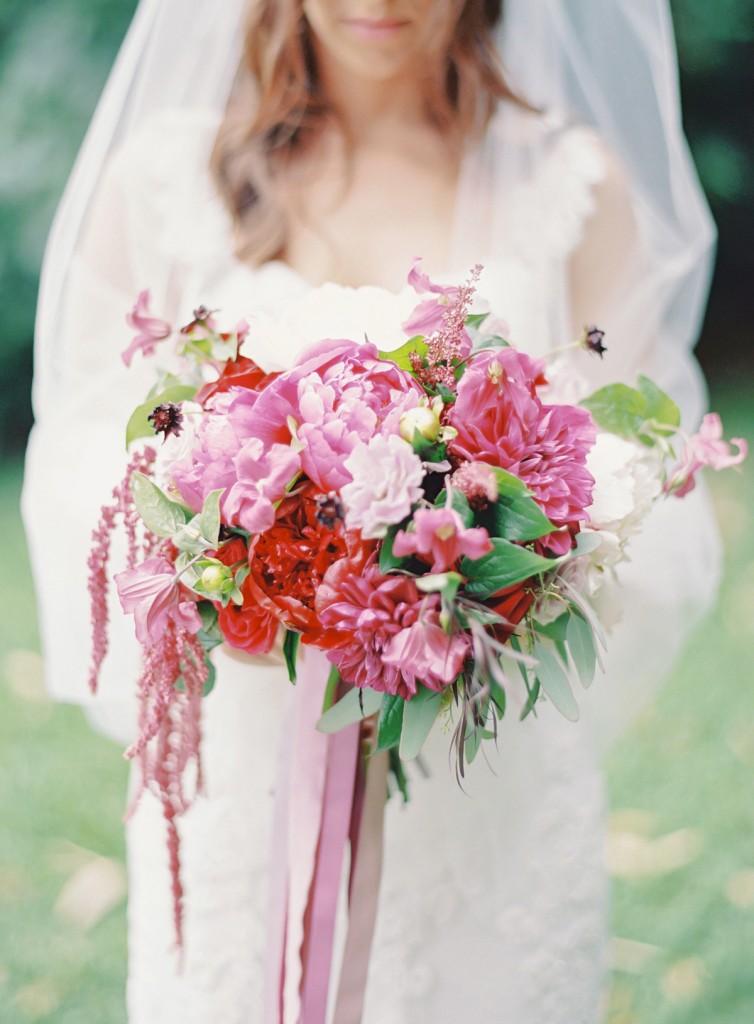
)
(160, 172)
(565, 173)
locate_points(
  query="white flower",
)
(628, 480)
(387, 477)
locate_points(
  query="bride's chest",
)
(367, 224)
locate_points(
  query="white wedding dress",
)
(493, 907)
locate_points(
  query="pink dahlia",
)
(338, 394)
(441, 538)
(501, 420)
(391, 637)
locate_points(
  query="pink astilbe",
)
(449, 343)
(170, 735)
(120, 508)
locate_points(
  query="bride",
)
(287, 163)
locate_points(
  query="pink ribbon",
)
(325, 795)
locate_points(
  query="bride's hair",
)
(276, 103)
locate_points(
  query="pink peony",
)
(442, 538)
(153, 595)
(150, 329)
(500, 420)
(338, 394)
(262, 478)
(391, 635)
(386, 481)
(224, 429)
(707, 448)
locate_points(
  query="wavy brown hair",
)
(277, 104)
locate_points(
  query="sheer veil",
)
(608, 63)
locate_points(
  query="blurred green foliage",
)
(54, 57)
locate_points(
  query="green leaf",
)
(516, 517)
(138, 424)
(353, 707)
(505, 565)
(290, 650)
(331, 690)
(209, 520)
(555, 683)
(401, 355)
(472, 743)
(387, 559)
(397, 771)
(419, 715)
(555, 630)
(209, 682)
(161, 515)
(534, 692)
(582, 649)
(659, 407)
(498, 696)
(459, 502)
(390, 723)
(618, 408)
(446, 583)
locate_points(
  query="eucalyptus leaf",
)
(209, 682)
(356, 705)
(210, 517)
(505, 565)
(472, 743)
(582, 649)
(390, 722)
(161, 515)
(554, 679)
(138, 424)
(419, 715)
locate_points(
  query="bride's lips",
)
(377, 29)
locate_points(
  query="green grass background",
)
(682, 826)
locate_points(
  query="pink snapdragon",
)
(440, 537)
(154, 596)
(386, 480)
(706, 448)
(151, 329)
(428, 315)
(391, 637)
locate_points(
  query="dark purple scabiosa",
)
(329, 509)
(166, 419)
(591, 340)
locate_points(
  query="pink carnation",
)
(386, 481)
(392, 639)
(151, 329)
(442, 538)
(501, 420)
(338, 394)
(155, 598)
(707, 448)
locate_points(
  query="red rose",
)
(511, 604)
(247, 627)
(240, 372)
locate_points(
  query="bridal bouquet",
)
(431, 517)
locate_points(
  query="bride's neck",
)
(369, 110)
